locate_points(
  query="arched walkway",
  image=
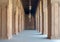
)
(29, 21)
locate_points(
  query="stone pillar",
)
(36, 21)
(56, 19)
(13, 22)
(45, 17)
(21, 19)
(16, 21)
(20, 22)
(59, 20)
(53, 20)
(9, 20)
(38, 18)
(4, 21)
(41, 17)
(0, 22)
(49, 18)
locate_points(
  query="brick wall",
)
(29, 24)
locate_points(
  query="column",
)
(20, 21)
(21, 17)
(13, 22)
(36, 21)
(18, 15)
(23, 20)
(38, 18)
(41, 17)
(4, 21)
(0, 21)
(56, 19)
(16, 21)
(49, 18)
(53, 20)
(59, 20)
(9, 20)
(45, 17)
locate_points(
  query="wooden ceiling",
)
(26, 5)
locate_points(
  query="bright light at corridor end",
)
(30, 7)
(29, 17)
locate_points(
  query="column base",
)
(9, 37)
(54, 37)
(16, 33)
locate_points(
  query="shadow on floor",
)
(29, 36)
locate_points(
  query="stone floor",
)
(30, 36)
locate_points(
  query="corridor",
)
(30, 36)
(29, 20)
